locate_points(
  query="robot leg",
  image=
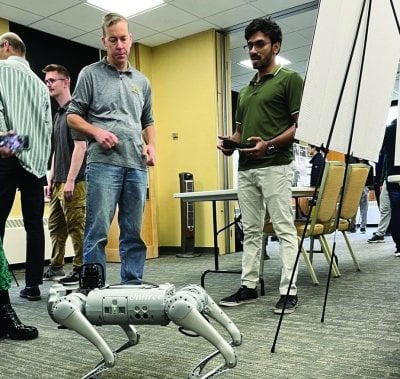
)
(183, 312)
(68, 312)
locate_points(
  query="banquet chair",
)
(356, 179)
(322, 216)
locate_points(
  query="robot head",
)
(91, 276)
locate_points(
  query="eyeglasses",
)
(258, 45)
(52, 81)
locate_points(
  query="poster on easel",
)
(351, 75)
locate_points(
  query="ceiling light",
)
(126, 8)
(280, 60)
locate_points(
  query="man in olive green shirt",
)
(266, 115)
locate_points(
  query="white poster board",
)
(335, 33)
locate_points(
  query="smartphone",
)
(14, 142)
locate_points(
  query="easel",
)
(349, 150)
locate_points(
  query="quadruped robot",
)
(95, 303)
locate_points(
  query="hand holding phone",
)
(14, 142)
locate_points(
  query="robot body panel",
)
(137, 305)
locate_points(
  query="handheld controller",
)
(232, 145)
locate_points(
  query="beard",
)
(259, 62)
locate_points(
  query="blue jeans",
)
(106, 186)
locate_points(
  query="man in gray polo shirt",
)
(112, 105)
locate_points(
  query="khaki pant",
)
(259, 190)
(67, 218)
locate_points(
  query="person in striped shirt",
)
(25, 109)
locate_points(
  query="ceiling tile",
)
(17, 15)
(140, 31)
(293, 40)
(205, 8)
(273, 6)
(163, 18)
(90, 39)
(298, 55)
(234, 16)
(42, 7)
(49, 26)
(299, 21)
(189, 29)
(82, 16)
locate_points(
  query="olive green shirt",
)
(265, 109)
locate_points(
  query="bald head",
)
(11, 44)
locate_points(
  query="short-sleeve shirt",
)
(266, 109)
(63, 142)
(119, 102)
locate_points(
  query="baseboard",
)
(173, 250)
(20, 266)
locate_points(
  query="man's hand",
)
(106, 139)
(69, 190)
(150, 153)
(226, 152)
(5, 152)
(257, 151)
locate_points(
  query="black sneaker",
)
(70, 279)
(53, 273)
(291, 304)
(375, 238)
(30, 293)
(362, 230)
(243, 296)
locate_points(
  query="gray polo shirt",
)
(119, 102)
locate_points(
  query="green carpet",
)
(359, 338)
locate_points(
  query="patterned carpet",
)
(359, 338)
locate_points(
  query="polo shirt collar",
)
(104, 60)
(273, 73)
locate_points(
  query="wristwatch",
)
(270, 149)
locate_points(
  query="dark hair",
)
(265, 25)
(315, 147)
(57, 67)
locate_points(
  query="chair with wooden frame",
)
(356, 179)
(322, 216)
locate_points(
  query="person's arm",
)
(106, 139)
(236, 136)
(50, 176)
(149, 136)
(77, 158)
(282, 140)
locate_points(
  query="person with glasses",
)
(25, 109)
(266, 115)
(66, 185)
(112, 105)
